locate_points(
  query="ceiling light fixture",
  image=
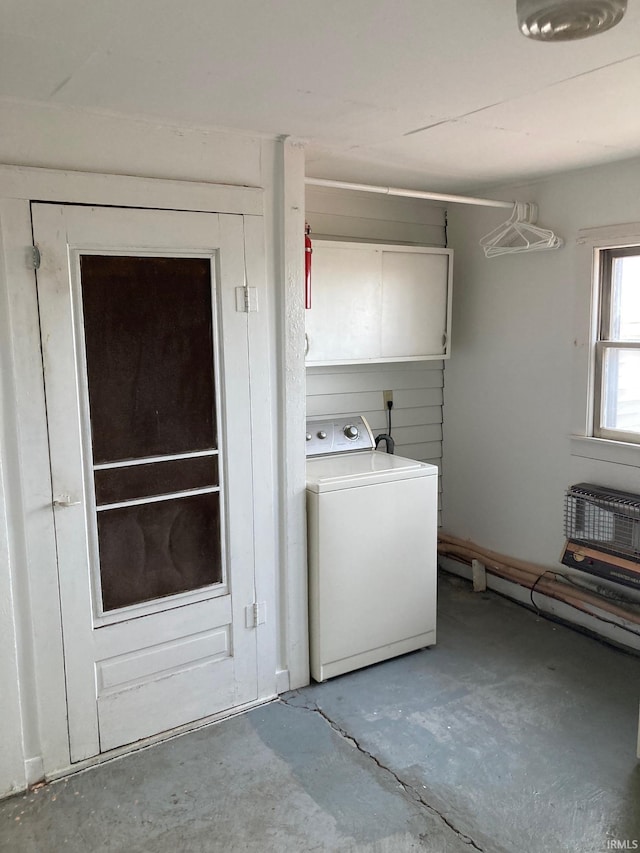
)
(566, 20)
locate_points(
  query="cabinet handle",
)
(306, 344)
(444, 340)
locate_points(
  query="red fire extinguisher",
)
(307, 265)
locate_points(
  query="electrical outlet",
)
(388, 398)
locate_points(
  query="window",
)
(617, 347)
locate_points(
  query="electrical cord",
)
(554, 574)
(579, 586)
(390, 444)
(533, 587)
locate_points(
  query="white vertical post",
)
(294, 635)
(27, 548)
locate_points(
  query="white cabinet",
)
(374, 303)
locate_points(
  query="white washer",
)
(372, 531)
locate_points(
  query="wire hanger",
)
(519, 234)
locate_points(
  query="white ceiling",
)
(433, 95)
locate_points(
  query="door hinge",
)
(246, 299)
(35, 257)
(255, 614)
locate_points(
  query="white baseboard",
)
(34, 770)
(282, 681)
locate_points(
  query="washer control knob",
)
(351, 431)
(322, 434)
(309, 436)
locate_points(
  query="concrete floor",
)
(512, 734)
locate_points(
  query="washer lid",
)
(349, 470)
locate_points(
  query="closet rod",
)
(370, 188)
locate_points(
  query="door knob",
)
(64, 501)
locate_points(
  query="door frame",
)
(37, 705)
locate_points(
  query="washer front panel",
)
(338, 435)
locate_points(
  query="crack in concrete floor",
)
(304, 705)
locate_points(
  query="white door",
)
(148, 401)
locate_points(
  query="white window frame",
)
(604, 342)
(585, 441)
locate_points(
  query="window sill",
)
(604, 450)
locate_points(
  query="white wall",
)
(509, 384)
(85, 141)
(350, 389)
(60, 138)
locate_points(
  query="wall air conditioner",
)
(602, 527)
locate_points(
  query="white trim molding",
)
(34, 184)
(582, 441)
(27, 508)
(605, 450)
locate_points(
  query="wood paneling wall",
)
(371, 218)
(416, 417)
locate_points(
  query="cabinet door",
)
(344, 322)
(379, 303)
(414, 304)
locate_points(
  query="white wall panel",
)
(347, 378)
(374, 230)
(416, 417)
(336, 214)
